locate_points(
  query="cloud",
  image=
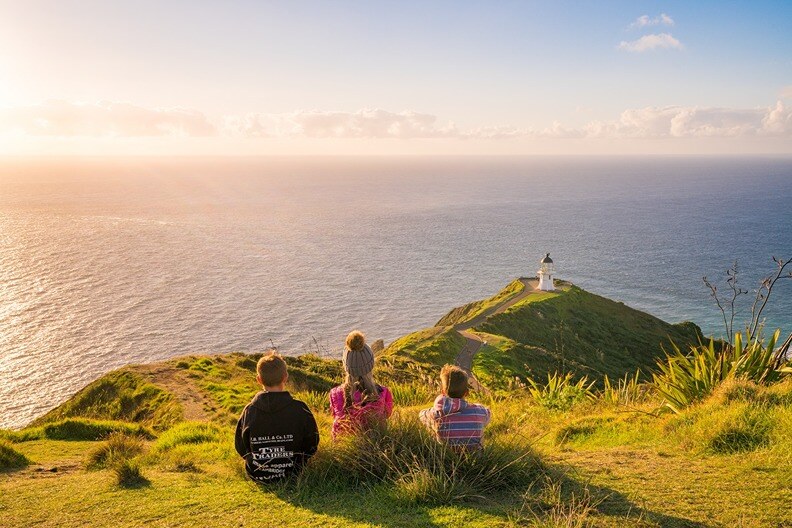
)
(682, 122)
(645, 20)
(650, 43)
(365, 123)
(60, 118)
(786, 92)
(63, 118)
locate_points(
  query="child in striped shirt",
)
(455, 421)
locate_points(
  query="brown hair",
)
(365, 384)
(355, 340)
(271, 369)
(454, 381)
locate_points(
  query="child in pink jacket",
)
(358, 403)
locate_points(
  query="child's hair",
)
(454, 381)
(355, 340)
(365, 384)
(271, 369)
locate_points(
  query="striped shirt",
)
(456, 422)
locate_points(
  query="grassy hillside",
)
(598, 464)
(576, 331)
(569, 330)
(476, 308)
(152, 444)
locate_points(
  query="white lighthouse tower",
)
(546, 272)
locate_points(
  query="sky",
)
(402, 77)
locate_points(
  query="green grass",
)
(82, 429)
(10, 458)
(596, 465)
(612, 460)
(24, 435)
(120, 395)
(581, 332)
(472, 310)
(431, 347)
(188, 433)
(129, 475)
(119, 447)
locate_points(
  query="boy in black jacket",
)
(276, 434)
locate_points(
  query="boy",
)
(454, 420)
(276, 434)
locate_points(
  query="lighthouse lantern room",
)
(546, 272)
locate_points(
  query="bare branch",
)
(766, 285)
(714, 293)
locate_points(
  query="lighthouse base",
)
(546, 282)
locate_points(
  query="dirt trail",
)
(473, 342)
(175, 381)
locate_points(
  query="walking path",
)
(473, 342)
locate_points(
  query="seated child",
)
(455, 421)
(276, 434)
(359, 402)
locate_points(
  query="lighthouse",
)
(546, 272)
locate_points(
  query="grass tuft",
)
(129, 475)
(84, 429)
(10, 458)
(405, 456)
(118, 448)
(747, 431)
(188, 433)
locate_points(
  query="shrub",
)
(128, 475)
(83, 429)
(119, 447)
(10, 458)
(23, 435)
(561, 393)
(188, 433)
(626, 391)
(685, 379)
(409, 459)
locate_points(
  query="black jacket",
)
(276, 435)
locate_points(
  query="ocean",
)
(107, 262)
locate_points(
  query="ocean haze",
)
(108, 262)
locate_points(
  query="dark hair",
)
(454, 381)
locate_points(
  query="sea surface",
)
(109, 262)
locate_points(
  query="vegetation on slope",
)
(587, 466)
(559, 452)
(120, 395)
(10, 458)
(580, 332)
(433, 346)
(474, 309)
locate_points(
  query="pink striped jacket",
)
(456, 421)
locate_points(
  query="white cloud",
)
(60, 118)
(651, 42)
(786, 92)
(63, 118)
(645, 20)
(365, 123)
(681, 122)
